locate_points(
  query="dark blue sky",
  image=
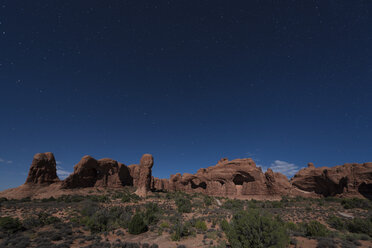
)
(284, 82)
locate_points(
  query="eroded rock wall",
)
(43, 169)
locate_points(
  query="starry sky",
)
(283, 82)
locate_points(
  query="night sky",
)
(283, 82)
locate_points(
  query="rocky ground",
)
(118, 218)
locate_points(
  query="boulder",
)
(350, 179)
(43, 169)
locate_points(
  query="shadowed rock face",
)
(102, 173)
(43, 169)
(348, 179)
(228, 178)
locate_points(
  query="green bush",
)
(254, 229)
(208, 200)
(225, 226)
(181, 230)
(315, 229)
(350, 203)
(100, 220)
(233, 204)
(137, 225)
(164, 224)
(252, 204)
(332, 199)
(99, 198)
(10, 225)
(89, 208)
(276, 204)
(128, 197)
(70, 198)
(200, 225)
(337, 223)
(183, 204)
(151, 215)
(358, 225)
(50, 199)
(47, 219)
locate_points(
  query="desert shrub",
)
(50, 199)
(252, 204)
(349, 203)
(208, 200)
(3, 199)
(183, 204)
(336, 222)
(285, 199)
(332, 199)
(137, 225)
(255, 229)
(164, 224)
(89, 208)
(276, 204)
(99, 198)
(233, 204)
(119, 217)
(16, 241)
(26, 199)
(180, 230)
(315, 229)
(200, 225)
(10, 225)
(100, 220)
(128, 197)
(47, 219)
(326, 243)
(151, 215)
(225, 225)
(70, 198)
(211, 234)
(298, 199)
(358, 225)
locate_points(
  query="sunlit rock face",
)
(350, 179)
(43, 169)
(237, 177)
(142, 174)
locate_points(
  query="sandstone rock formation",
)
(236, 178)
(102, 173)
(142, 174)
(349, 179)
(239, 177)
(43, 169)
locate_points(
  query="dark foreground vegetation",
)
(122, 219)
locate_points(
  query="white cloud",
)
(284, 167)
(5, 161)
(62, 174)
(58, 162)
